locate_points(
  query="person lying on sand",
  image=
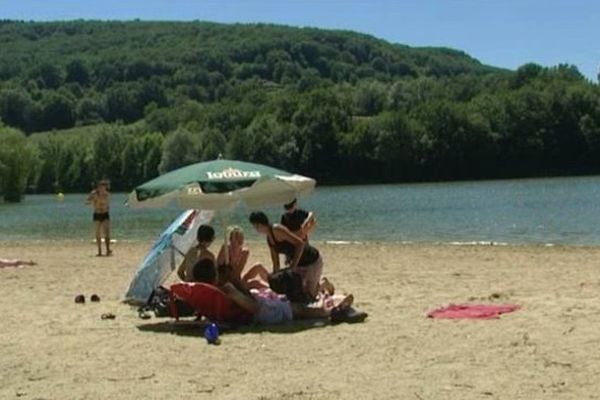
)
(205, 236)
(4, 262)
(266, 306)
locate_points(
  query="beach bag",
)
(289, 283)
(162, 305)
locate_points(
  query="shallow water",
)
(555, 210)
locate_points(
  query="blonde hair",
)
(233, 229)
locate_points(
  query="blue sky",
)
(505, 33)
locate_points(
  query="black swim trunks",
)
(100, 217)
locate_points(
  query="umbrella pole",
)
(224, 223)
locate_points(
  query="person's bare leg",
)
(302, 311)
(256, 283)
(346, 301)
(311, 277)
(98, 226)
(106, 225)
(257, 271)
(244, 301)
(257, 277)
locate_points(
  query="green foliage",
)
(127, 100)
(180, 148)
(16, 163)
(134, 64)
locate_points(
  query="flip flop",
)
(80, 299)
(143, 314)
(108, 316)
(95, 298)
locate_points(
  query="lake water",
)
(555, 210)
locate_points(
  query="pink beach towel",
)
(472, 311)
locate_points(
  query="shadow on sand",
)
(196, 328)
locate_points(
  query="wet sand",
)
(51, 348)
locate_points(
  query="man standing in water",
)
(99, 199)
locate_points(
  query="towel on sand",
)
(472, 311)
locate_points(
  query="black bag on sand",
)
(289, 283)
(159, 304)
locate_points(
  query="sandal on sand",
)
(80, 299)
(143, 314)
(108, 316)
(348, 315)
(95, 298)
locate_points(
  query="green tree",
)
(152, 149)
(16, 163)
(319, 119)
(370, 98)
(180, 148)
(17, 109)
(58, 112)
(50, 75)
(106, 160)
(78, 71)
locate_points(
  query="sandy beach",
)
(51, 348)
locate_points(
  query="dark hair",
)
(290, 205)
(204, 271)
(260, 218)
(205, 233)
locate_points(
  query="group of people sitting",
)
(296, 291)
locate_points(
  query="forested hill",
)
(77, 73)
(139, 98)
(99, 54)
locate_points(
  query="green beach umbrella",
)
(221, 184)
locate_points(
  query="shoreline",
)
(254, 242)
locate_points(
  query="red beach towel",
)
(472, 311)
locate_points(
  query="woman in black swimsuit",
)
(301, 257)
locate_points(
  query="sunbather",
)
(268, 307)
(4, 262)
